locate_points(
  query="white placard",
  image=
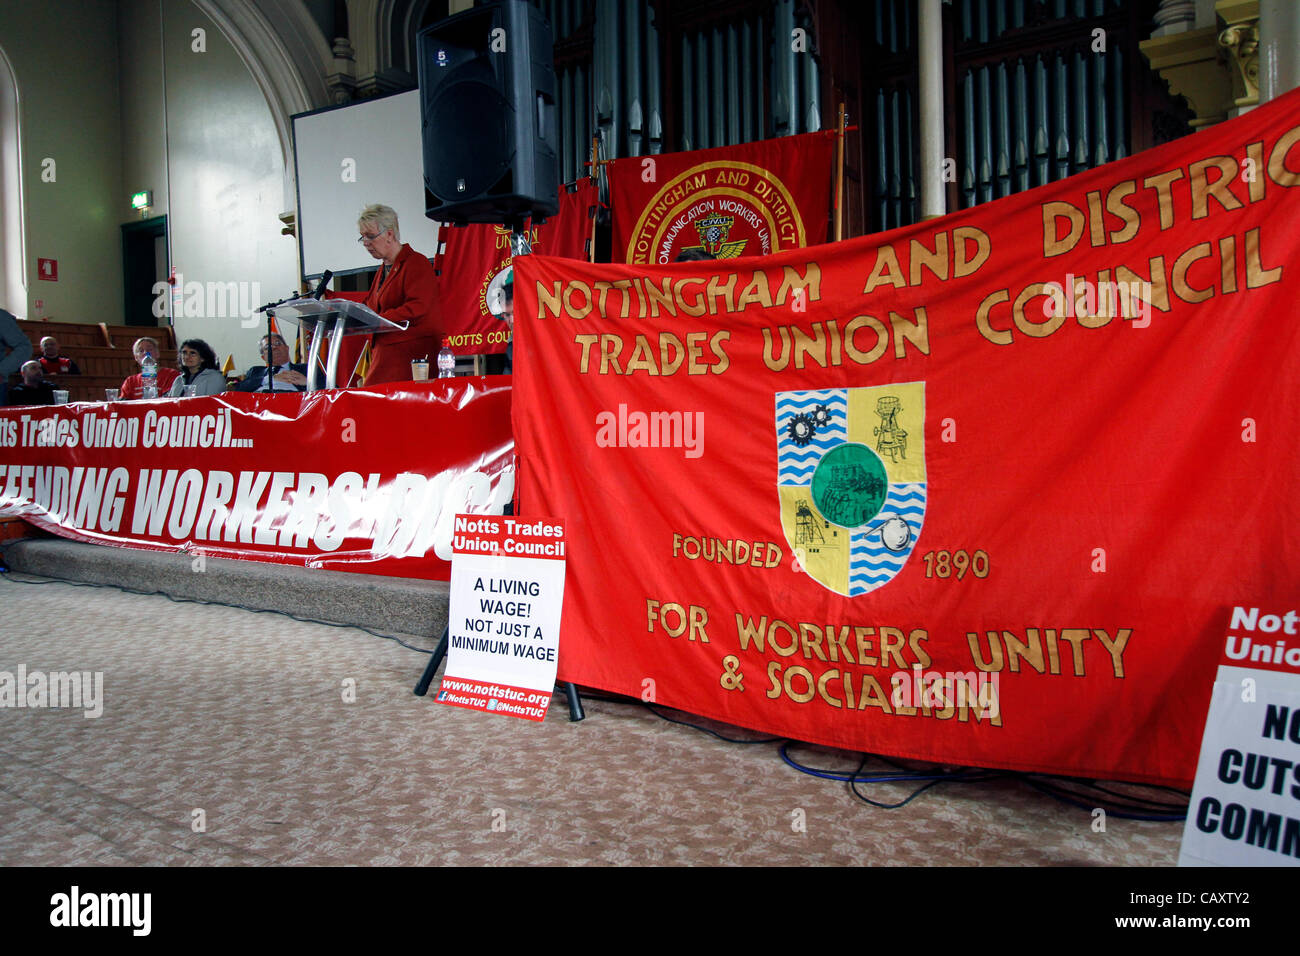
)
(507, 595)
(1245, 808)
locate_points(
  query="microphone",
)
(320, 288)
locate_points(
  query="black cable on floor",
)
(731, 740)
(1133, 807)
(241, 607)
(904, 774)
(1120, 805)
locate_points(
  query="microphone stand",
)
(269, 309)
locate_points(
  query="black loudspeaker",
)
(487, 107)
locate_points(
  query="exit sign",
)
(47, 269)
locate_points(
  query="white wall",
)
(119, 96)
(140, 78)
(225, 175)
(64, 56)
(13, 244)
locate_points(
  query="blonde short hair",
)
(385, 217)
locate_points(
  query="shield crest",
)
(851, 481)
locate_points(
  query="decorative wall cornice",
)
(1216, 69)
(1240, 38)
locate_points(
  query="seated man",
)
(287, 378)
(52, 363)
(34, 390)
(133, 387)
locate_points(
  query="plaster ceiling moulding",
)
(382, 32)
(414, 15)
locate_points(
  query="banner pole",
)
(839, 174)
(595, 178)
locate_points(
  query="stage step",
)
(388, 605)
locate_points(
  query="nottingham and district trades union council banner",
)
(984, 490)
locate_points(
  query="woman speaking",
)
(404, 290)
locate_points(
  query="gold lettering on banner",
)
(1278, 171)
(1116, 206)
(862, 340)
(1054, 244)
(1256, 274)
(1163, 185)
(1182, 288)
(1204, 189)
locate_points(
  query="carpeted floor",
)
(227, 738)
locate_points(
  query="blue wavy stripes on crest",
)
(871, 564)
(795, 465)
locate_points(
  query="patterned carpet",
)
(226, 739)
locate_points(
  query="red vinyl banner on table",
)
(363, 480)
(982, 490)
(478, 253)
(747, 200)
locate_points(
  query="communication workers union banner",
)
(983, 490)
(364, 480)
(747, 200)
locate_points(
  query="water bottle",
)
(149, 377)
(446, 362)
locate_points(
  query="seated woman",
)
(198, 368)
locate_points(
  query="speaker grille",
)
(488, 115)
(471, 123)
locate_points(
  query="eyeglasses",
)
(371, 238)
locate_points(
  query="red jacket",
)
(408, 294)
(58, 366)
(133, 388)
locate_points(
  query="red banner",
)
(476, 254)
(982, 490)
(363, 480)
(747, 200)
